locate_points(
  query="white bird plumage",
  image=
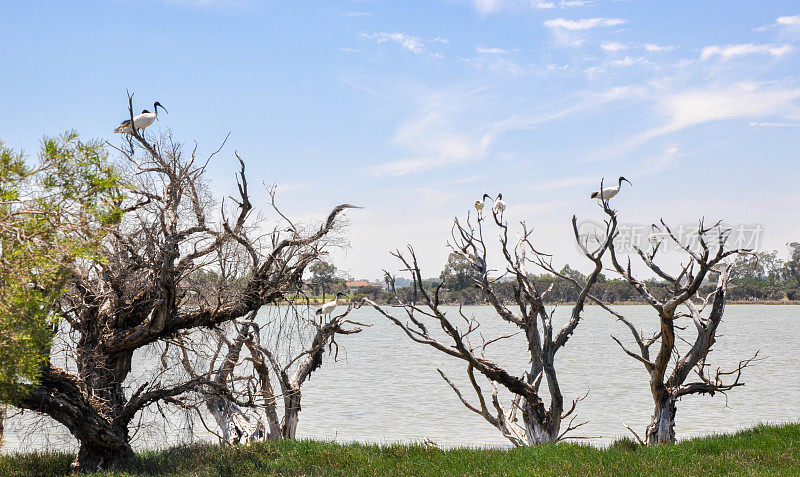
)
(140, 121)
(609, 192)
(499, 204)
(327, 308)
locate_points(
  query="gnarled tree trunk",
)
(661, 429)
(541, 428)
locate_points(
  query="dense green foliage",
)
(324, 279)
(50, 216)
(760, 451)
(458, 273)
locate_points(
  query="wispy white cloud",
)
(432, 139)
(491, 51)
(629, 61)
(660, 163)
(613, 46)
(435, 138)
(730, 51)
(741, 100)
(789, 22)
(485, 7)
(357, 14)
(756, 124)
(572, 33)
(792, 21)
(544, 4)
(583, 23)
(618, 93)
(547, 4)
(497, 63)
(576, 3)
(652, 48)
(410, 43)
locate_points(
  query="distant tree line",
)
(761, 276)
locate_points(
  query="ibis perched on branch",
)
(609, 192)
(499, 204)
(140, 121)
(327, 308)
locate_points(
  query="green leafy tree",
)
(51, 215)
(792, 266)
(458, 273)
(323, 277)
(570, 272)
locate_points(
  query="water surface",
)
(385, 388)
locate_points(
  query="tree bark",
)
(104, 441)
(94, 456)
(541, 429)
(235, 425)
(291, 414)
(662, 424)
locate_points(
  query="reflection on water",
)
(385, 388)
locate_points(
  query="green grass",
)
(763, 450)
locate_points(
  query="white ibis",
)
(478, 205)
(499, 204)
(140, 121)
(328, 307)
(609, 192)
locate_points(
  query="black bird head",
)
(157, 105)
(500, 196)
(144, 111)
(623, 179)
(486, 196)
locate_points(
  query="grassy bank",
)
(763, 450)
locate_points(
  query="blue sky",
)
(415, 109)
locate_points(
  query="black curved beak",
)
(626, 180)
(486, 196)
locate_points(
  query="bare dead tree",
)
(139, 293)
(671, 367)
(540, 424)
(245, 365)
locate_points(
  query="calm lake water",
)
(385, 388)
